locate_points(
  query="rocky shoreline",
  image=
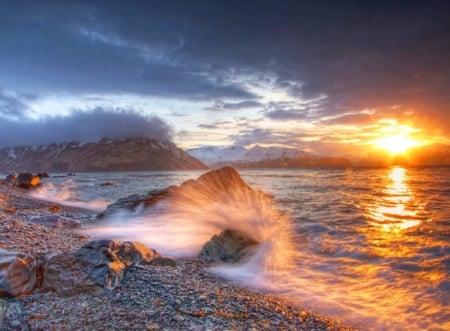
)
(149, 297)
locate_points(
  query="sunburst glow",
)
(396, 144)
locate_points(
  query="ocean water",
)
(370, 247)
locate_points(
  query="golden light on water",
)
(397, 209)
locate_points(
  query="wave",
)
(65, 194)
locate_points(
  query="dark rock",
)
(215, 186)
(107, 184)
(129, 203)
(55, 221)
(18, 273)
(26, 180)
(98, 265)
(228, 246)
(43, 175)
(9, 180)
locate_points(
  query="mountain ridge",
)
(127, 154)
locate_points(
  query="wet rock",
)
(27, 180)
(228, 246)
(107, 184)
(215, 186)
(98, 265)
(55, 221)
(18, 273)
(129, 203)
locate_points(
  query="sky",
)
(321, 76)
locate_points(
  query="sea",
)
(369, 247)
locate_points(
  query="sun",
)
(396, 144)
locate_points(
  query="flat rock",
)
(98, 265)
(55, 221)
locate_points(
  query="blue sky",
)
(326, 76)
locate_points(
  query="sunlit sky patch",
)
(322, 77)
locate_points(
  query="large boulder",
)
(229, 246)
(18, 273)
(27, 180)
(215, 186)
(96, 266)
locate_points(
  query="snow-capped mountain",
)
(130, 154)
(237, 155)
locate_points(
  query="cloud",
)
(269, 136)
(11, 107)
(351, 119)
(208, 126)
(94, 50)
(348, 57)
(287, 114)
(220, 105)
(83, 126)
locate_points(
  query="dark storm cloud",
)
(88, 48)
(83, 127)
(359, 55)
(11, 107)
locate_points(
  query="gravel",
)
(184, 297)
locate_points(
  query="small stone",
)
(152, 326)
(178, 318)
(15, 323)
(97, 317)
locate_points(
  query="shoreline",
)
(185, 297)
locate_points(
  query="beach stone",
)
(96, 266)
(18, 273)
(26, 180)
(55, 221)
(228, 246)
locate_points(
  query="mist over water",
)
(370, 246)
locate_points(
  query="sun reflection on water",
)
(397, 209)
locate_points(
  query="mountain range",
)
(130, 154)
(263, 157)
(140, 154)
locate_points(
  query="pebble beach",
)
(184, 297)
